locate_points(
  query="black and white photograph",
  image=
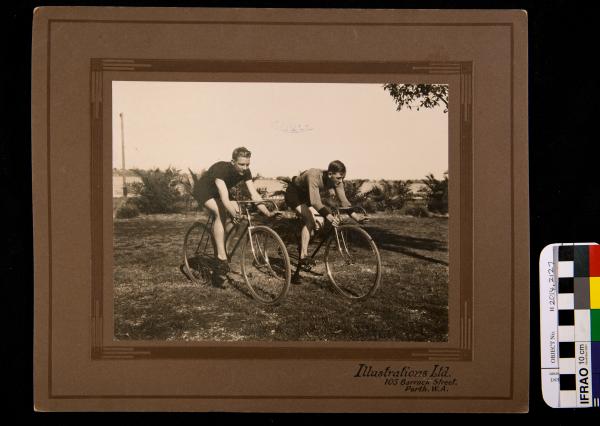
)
(284, 210)
(280, 211)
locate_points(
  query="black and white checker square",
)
(566, 253)
(566, 350)
(566, 293)
(566, 264)
(566, 318)
(566, 341)
(566, 355)
(567, 382)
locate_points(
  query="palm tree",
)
(352, 190)
(436, 193)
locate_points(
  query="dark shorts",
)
(294, 197)
(203, 194)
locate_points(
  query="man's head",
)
(336, 172)
(240, 158)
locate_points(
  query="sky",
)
(288, 127)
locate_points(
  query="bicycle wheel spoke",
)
(272, 263)
(353, 263)
(265, 265)
(347, 253)
(197, 252)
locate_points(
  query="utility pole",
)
(123, 155)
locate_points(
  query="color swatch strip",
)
(570, 324)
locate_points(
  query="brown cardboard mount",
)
(482, 55)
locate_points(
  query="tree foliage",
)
(418, 95)
(383, 195)
(351, 189)
(127, 210)
(190, 184)
(390, 194)
(158, 190)
(436, 193)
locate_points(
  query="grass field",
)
(154, 301)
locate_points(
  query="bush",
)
(157, 192)
(184, 204)
(436, 193)
(417, 211)
(127, 210)
(370, 206)
(351, 189)
(240, 192)
(438, 205)
(386, 194)
(189, 184)
(401, 193)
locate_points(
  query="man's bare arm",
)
(224, 193)
(341, 194)
(256, 197)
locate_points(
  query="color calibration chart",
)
(570, 324)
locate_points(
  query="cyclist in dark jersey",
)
(212, 192)
(303, 195)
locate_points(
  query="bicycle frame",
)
(336, 212)
(247, 226)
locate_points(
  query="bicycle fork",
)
(259, 252)
(342, 247)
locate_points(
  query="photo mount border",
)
(52, 395)
(103, 351)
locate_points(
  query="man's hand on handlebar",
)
(334, 220)
(275, 214)
(361, 220)
(236, 218)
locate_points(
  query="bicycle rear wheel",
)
(353, 262)
(265, 265)
(198, 253)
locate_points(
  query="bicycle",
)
(351, 258)
(265, 263)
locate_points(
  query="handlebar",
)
(245, 211)
(263, 201)
(338, 210)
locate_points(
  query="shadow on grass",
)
(384, 238)
(205, 267)
(402, 244)
(236, 281)
(154, 302)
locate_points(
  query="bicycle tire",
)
(198, 253)
(354, 265)
(266, 269)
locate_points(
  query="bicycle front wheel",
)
(265, 265)
(198, 253)
(353, 262)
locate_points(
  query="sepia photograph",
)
(280, 210)
(252, 211)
